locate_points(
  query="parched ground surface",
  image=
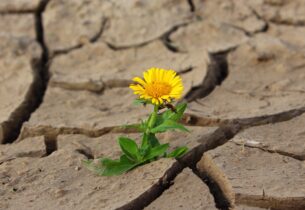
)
(65, 67)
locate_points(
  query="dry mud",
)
(65, 67)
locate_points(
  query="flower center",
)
(158, 89)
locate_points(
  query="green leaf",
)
(145, 143)
(159, 119)
(177, 152)
(140, 101)
(148, 141)
(168, 125)
(143, 125)
(108, 162)
(139, 127)
(156, 151)
(175, 116)
(117, 167)
(170, 115)
(152, 139)
(109, 167)
(144, 150)
(130, 148)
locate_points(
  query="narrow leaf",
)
(118, 167)
(177, 152)
(156, 151)
(130, 148)
(144, 143)
(144, 150)
(168, 125)
(108, 162)
(175, 116)
(152, 139)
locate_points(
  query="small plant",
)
(158, 88)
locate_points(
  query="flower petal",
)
(140, 81)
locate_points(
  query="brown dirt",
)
(65, 67)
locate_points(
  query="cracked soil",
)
(65, 67)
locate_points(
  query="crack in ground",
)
(11, 128)
(116, 48)
(222, 135)
(185, 71)
(99, 86)
(226, 131)
(92, 40)
(217, 72)
(31, 154)
(257, 15)
(272, 151)
(187, 119)
(162, 37)
(87, 153)
(192, 5)
(217, 138)
(156, 190)
(96, 86)
(41, 130)
(55, 131)
(50, 142)
(270, 119)
(221, 201)
(166, 40)
(300, 23)
(270, 202)
(215, 178)
(248, 33)
(193, 120)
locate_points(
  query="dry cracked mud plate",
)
(262, 166)
(97, 47)
(26, 148)
(17, 26)
(286, 12)
(106, 145)
(221, 26)
(265, 76)
(95, 67)
(61, 181)
(66, 111)
(64, 182)
(292, 35)
(69, 24)
(238, 14)
(187, 192)
(286, 138)
(206, 35)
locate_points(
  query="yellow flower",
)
(158, 86)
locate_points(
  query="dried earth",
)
(65, 67)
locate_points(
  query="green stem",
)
(153, 117)
(149, 138)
